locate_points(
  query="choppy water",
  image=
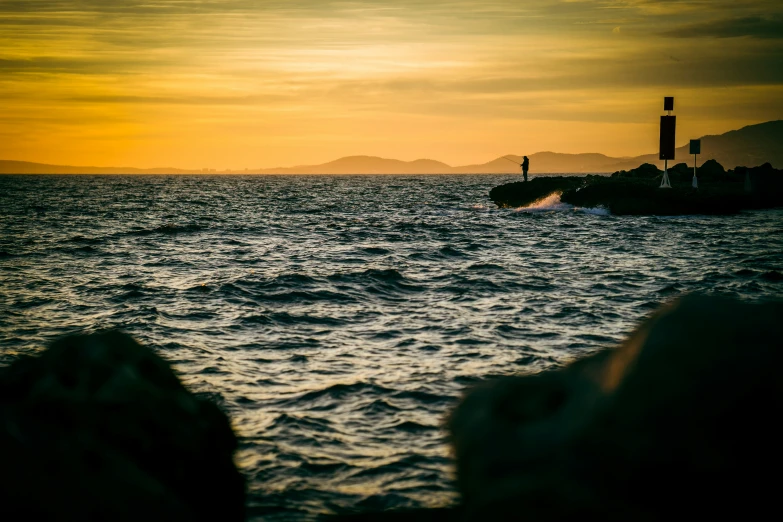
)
(337, 318)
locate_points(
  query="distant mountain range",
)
(750, 146)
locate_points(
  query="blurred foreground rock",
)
(99, 428)
(680, 421)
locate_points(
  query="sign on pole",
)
(668, 126)
(695, 146)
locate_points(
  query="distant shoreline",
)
(750, 146)
(220, 174)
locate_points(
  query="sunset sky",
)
(264, 83)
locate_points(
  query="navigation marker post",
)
(695, 150)
(666, 148)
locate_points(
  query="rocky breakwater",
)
(637, 192)
(99, 428)
(680, 422)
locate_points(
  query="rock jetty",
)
(637, 192)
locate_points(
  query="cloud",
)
(307, 71)
(751, 26)
(181, 100)
(79, 65)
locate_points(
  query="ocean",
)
(337, 319)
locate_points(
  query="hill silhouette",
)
(27, 167)
(366, 165)
(546, 162)
(750, 146)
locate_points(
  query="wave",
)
(547, 203)
(448, 251)
(486, 267)
(84, 249)
(338, 392)
(377, 281)
(285, 318)
(383, 275)
(167, 229)
(322, 468)
(286, 288)
(552, 203)
(400, 464)
(130, 291)
(479, 207)
(413, 427)
(422, 396)
(86, 240)
(380, 407)
(376, 250)
(596, 211)
(307, 424)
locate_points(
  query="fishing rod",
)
(512, 161)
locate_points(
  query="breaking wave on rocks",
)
(337, 319)
(552, 203)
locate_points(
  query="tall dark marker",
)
(666, 148)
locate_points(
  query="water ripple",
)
(338, 318)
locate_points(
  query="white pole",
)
(695, 181)
(665, 181)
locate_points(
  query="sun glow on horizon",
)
(240, 84)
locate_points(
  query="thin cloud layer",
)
(751, 26)
(241, 83)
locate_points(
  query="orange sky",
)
(248, 84)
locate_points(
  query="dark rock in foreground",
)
(680, 422)
(99, 428)
(637, 192)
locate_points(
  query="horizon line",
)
(262, 170)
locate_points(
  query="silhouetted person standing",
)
(525, 165)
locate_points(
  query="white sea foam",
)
(596, 211)
(552, 203)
